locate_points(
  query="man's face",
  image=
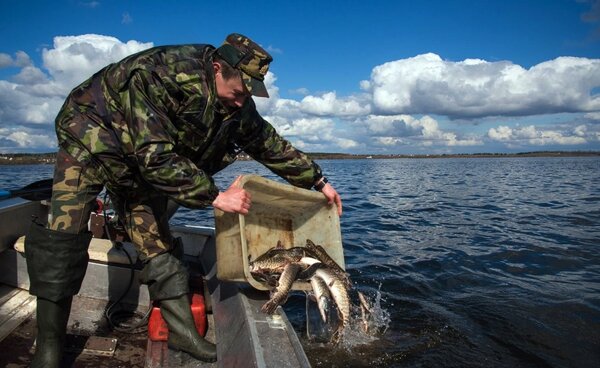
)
(231, 92)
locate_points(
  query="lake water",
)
(477, 262)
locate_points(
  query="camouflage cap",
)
(244, 54)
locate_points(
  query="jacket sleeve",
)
(147, 104)
(262, 142)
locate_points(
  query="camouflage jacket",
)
(154, 119)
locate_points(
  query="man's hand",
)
(234, 199)
(332, 196)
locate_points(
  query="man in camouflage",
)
(151, 128)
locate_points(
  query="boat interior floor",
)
(91, 340)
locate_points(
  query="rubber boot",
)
(182, 330)
(56, 263)
(52, 318)
(167, 281)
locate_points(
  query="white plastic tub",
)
(279, 213)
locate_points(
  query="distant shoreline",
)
(50, 158)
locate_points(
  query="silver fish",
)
(324, 257)
(322, 295)
(365, 310)
(328, 280)
(336, 287)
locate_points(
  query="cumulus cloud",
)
(5, 60)
(593, 116)
(404, 104)
(406, 129)
(24, 139)
(427, 84)
(537, 136)
(30, 75)
(19, 139)
(75, 58)
(18, 106)
(299, 91)
(34, 95)
(20, 60)
(329, 104)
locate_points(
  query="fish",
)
(288, 276)
(322, 296)
(336, 287)
(275, 259)
(324, 257)
(292, 271)
(328, 280)
(365, 310)
(283, 262)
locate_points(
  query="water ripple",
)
(479, 262)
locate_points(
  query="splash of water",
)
(366, 326)
(368, 321)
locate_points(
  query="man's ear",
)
(216, 67)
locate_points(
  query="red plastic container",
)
(157, 327)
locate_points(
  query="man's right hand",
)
(234, 199)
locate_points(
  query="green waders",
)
(57, 259)
(167, 281)
(56, 262)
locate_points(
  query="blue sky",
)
(348, 76)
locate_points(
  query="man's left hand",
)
(332, 196)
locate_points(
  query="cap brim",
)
(256, 87)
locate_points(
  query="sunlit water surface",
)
(469, 262)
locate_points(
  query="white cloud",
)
(75, 58)
(21, 139)
(299, 91)
(264, 105)
(426, 84)
(35, 97)
(346, 143)
(388, 141)
(329, 105)
(274, 50)
(308, 127)
(592, 116)
(502, 133)
(382, 115)
(538, 136)
(580, 130)
(5, 60)
(21, 60)
(30, 75)
(406, 129)
(18, 105)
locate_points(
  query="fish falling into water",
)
(280, 268)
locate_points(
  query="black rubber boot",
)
(182, 330)
(56, 263)
(167, 281)
(52, 318)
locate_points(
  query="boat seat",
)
(100, 250)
